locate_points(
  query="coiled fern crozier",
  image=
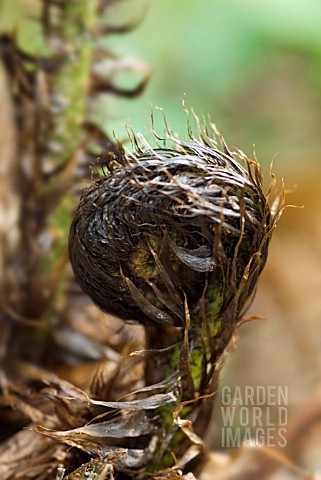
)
(174, 238)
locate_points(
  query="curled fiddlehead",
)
(175, 238)
(168, 223)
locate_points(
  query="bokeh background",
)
(253, 65)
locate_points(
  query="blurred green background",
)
(253, 65)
